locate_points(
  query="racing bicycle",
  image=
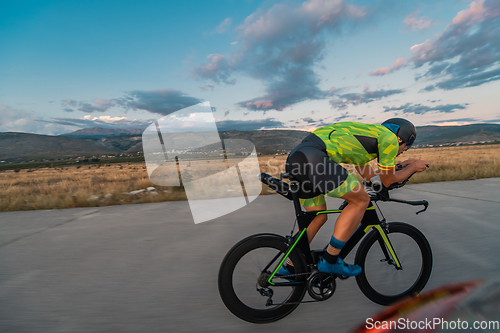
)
(395, 257)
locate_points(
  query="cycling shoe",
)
(340, 268)
(284, 272)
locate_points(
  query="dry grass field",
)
(79, 186)
(114, 184)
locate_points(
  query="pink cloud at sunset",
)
(417, 23)
(386, 70)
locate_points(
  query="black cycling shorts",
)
(317, 173)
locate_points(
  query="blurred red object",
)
(461, 303)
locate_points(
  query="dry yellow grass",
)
(456, 163)
(83, 186)
(102, 185)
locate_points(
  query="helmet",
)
(403, 129)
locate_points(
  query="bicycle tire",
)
(239, 291)
(379, 280)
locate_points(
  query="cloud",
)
(281, 46)
(71, 102)
(13, 120)
(455, 120)
(385, 70)
(343, 101)
(97, 105)
(207, 86)
(413, 23)
(163, 101)
(308, 123)
(340, 117)
(466, 53)
(218, 70)
(295, 88)
(101, 121)
(491, 121)
(248, 125)
(465, 81)
(421, 109)
(223, 26)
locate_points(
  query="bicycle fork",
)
(385, 244)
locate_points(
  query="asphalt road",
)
(149, 268)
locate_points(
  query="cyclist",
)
(315, 164)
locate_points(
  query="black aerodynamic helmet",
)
(402, 128)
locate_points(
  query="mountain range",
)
(100, 132)
(23, 147)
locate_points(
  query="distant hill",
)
(100, 132)
(23, 147)
(269, 141)
(436, 135)
(122, 143)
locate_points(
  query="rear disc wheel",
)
(243, 279)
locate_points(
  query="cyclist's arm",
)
(408, 161)
(391, 176)
(367, 172)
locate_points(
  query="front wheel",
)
(244, 273)
(389, 277)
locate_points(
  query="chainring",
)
(321, 286)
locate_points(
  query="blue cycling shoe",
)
(340, 268)
(284, 271)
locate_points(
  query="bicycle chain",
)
(286, 277)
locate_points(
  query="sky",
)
(68, 65)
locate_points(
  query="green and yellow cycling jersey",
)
(358, 144)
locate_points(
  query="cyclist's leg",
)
(351, 215)
(347, 222)
(317, 223)
(315, 204)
